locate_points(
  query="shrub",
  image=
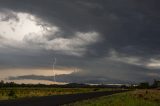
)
(12, 94)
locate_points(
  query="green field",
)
(25, 92)
(132, 98)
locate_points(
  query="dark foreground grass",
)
(15, 93)
(132, 98)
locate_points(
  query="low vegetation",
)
(132, 98)
(11, 90)
(23, 92)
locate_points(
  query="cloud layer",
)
(117, 40)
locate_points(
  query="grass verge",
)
(132, 98)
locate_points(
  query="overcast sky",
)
(111, 41)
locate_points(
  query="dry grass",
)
(133, 98)
(15, 93)
(151, 95)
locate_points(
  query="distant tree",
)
(124, 86)
(156, 84)
(1, 83)
(143, 85)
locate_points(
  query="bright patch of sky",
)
(17, 29)
(5, 73)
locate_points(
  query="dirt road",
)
(55, 100)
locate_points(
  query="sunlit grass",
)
(132, 98)
(15, 93)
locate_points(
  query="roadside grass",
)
(24, 92)
(132, 98)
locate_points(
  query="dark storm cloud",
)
(128, 27)
(122, 23)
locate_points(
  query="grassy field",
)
(15, 93)
(132, 98)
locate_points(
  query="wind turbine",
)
(54, 63)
